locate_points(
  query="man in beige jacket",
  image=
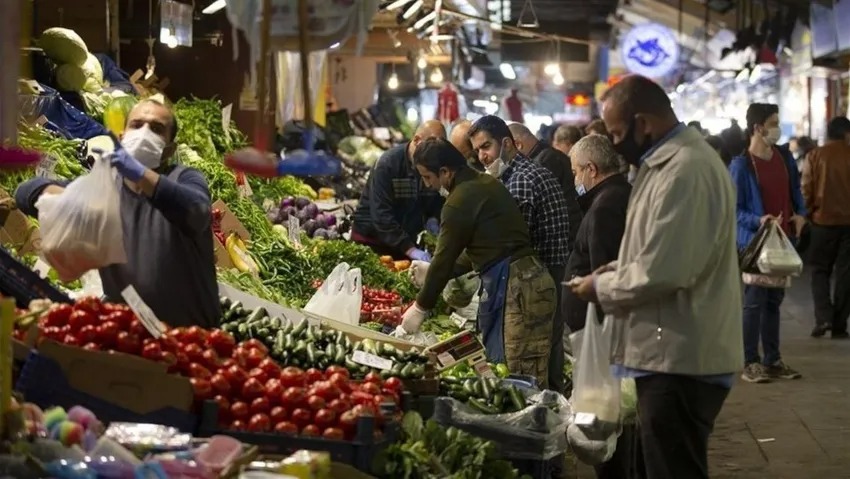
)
(674, 291)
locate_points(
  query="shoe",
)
(780, 370)
(839, 335)
(755, 373)
(820, 329)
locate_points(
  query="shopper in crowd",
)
(826, 192)
(542, 203)
(596, 127)
(395, 206)
(768, 188)
(483, 230)
(717, 143)
(565, 137)
(674, 290)
(734, 138)
(165, 212)
(800, 147)
(697, 126)
(460, 140)
(557, 163)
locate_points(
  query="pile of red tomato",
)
(381, 306)
(253, 392)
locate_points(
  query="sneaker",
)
(781, 370)
(819, 330)
(755, 373)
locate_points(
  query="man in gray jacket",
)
(674, 291)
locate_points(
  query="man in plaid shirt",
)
(542, 203)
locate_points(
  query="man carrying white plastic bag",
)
(81, 226)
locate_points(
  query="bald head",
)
(428, 129)
(523, 137)
(460, 137)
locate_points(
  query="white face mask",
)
(145, 146)
(496, 168)
(444, 192)
(772, 135)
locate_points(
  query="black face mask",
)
(630, 149)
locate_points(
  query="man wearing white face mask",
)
(768, 187)
(166, 216)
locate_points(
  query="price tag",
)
(483, 369)
(585, 419)
(46, 168)
(225, 119)
(143, 312)
(41, 267)
(294, 230)
(445, 358)
(381, 133)
(372, 361)
(242, 185)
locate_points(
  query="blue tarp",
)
(62, 117)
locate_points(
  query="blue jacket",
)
(749, 206)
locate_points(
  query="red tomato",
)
(333, 433)
(128, 343)
(237, 425)
(391, 396)
(240, 355)
(301, 417)
(311, 430)
(124, 319)
(223, 407)
(226, 363)
(239, 410)
(194, 335)
(325, 418)
(260, 406)
(360, 398)
(198, 371)
(91, 305)
(278, 414)
(222, 342)
(313, 375)
(71, 340)
(220, 384)
(286, 427)
(170, 344)
(194, 352)
(259, 374)
(170, 359)
(339, 406)
(254, 358)
(292, 376)
(152, 351)
(92, 347)
(270, 367)
(53, 332)
(314, 403)
(274, 390)
(341, 382)
(337, 369)
(57, 315)
(254, 343)
(394, 384)
(80, 318)
(370, 388)
(202, 388)
(139, 329)
(236, 376)
(327, 390)
(292, 398)
(210, 359)
(87, 334)
(348, 423)
(373, 377)
(252, 389)
(182, 362)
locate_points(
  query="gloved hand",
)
(418, 272)
(124, 162)
(433, 226)
(412, 319)
(418, 255)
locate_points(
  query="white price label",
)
(445, 358)
(225, 119)
(143, 311)
(585, 419)
(372, 361)
(41, 267)
(294, 230)
(46, 168)
(483, 369)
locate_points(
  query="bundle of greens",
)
(62, 151)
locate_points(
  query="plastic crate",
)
(20, 282)
(42, 381)
(359, 452)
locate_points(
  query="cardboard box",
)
(229, 224)
(16, 231)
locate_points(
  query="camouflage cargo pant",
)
(529, 309)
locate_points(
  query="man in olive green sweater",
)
(482, 229)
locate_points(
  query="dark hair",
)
(838, 128)
(174, 126)
(436, 153)
(758, 113)
(493, 126)
(695, 124)
(596, 126)
(638, 94)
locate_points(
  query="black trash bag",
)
(748, 257)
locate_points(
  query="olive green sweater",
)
(481, 221)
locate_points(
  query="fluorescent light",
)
(397, 4)
(392, 83)
(552, 69)
(335, 45)
(507, 71)
(441, 38)
(413, 9)
(213, 7)
(422, 21)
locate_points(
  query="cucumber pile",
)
(306, 346)
(485, 395)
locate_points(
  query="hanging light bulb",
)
(558, 79)
(436, 76)
(421, 63)
(171, 41)
(551, 69)
(392, 83)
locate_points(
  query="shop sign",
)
(650, 50)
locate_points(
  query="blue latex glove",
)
(433, 226)
(128, 166)
(419, 255)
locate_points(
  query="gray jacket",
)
(676, 288)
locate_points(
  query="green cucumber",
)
(482, 406)
(517, 399)
(300, 328)
(311, 353)
(406, 371)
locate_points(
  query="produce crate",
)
(359, 452)
(424, 405)
(422, 387)
(43, 382)
(20, 282)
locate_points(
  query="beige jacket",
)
(676, 290)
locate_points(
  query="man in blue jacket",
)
(768, 186)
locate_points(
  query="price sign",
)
(46, 168)
(42, 268)
(225, 119)
(143, 311)
(463, 346)
(294, 230)
(372, 361)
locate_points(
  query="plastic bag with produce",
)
(81, 227)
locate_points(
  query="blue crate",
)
(20, 282)
(43, 382)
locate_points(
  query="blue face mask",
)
(581, 190)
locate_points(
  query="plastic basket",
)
(24, 284)
(42, 381)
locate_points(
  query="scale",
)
(462, 347)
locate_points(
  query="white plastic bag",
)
(81, 228)
(595, 390)
(340, 296)
(778, 257)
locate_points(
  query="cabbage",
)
(88, 77)
(64, 46)
(94, 74)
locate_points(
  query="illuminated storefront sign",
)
(650, 50)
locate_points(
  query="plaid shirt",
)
(541, 201)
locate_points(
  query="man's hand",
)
(799, 222)
(606, 268)
(584, 288)
(412, 319)
(418, 272)
(766, 218)
(417, 254)
(129, 167)
(433, 226)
